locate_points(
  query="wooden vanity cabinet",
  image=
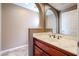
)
(39, 52)
(41, 48)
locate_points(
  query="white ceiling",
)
(30, 6)
(62, 6)
(58, 6)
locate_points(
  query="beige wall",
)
(69, 21)
(0, 26)
(42, 16)
(15, 23)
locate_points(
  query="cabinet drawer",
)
(51, 51)
(39, 52)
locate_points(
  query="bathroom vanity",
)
(46, 45)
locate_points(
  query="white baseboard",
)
(12, 49)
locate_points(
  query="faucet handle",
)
(54, 36)
(59, 37)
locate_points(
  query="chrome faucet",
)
(55, 36)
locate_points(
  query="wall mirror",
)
(50, 19)
(67, 21)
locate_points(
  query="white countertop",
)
(67, 43)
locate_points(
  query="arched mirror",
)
(50, 17)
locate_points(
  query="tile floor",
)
(19, 52)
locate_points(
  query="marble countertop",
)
(67, 43)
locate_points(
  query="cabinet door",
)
(39, 52)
